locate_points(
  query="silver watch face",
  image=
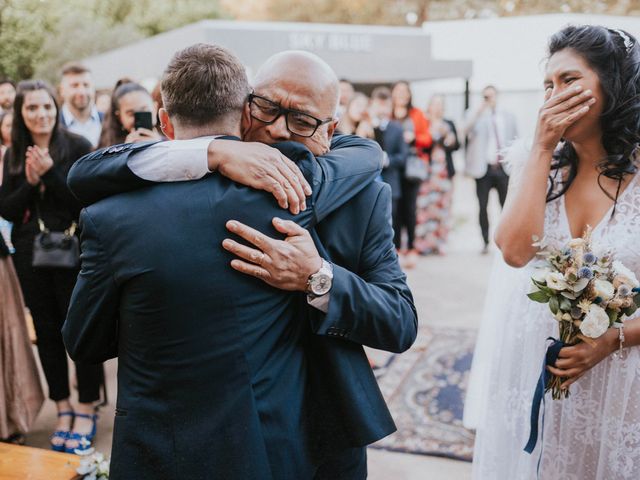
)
(320, 284)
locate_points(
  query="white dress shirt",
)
(182, 160)
(172, 161)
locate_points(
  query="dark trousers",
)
(350, 464)
(396, 221)
(495, 178)
(47, 293)
(407, 212)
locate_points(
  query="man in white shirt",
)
(490, 130)
(7, 94)
(79, 113)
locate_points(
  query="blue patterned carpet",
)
(425, 390)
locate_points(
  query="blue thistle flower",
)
(589, 258)
(585, 272)
(624, 290)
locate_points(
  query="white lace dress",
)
(595, 433)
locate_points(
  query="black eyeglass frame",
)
(285, 111)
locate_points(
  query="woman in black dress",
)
(34, 186)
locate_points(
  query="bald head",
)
(302, 83)
(301, 68)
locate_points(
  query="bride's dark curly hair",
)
(615, 56)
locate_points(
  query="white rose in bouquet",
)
(620, 269)
(604, 289)
(595, 323)
(556, 281)
(540, 274)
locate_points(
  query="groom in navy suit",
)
(368, 304)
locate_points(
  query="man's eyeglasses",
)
(298, 123)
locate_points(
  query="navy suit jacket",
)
(370, 304)
(397, 150)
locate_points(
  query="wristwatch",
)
(320, 282)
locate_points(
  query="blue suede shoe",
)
(84, 441)
(63, 435)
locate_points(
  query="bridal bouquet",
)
(586, 293)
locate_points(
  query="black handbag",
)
(416, 169)
(56, 249)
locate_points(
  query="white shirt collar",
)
(69, 119)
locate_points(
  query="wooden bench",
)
(27, 463)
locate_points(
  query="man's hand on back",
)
(284, 264)
(261, 167)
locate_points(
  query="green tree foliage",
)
(38, 36)
(403, 12)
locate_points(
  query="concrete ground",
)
(436, 283)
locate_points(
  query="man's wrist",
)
(214, 156)
(314, 266)
(319, 282)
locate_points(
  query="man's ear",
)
(245, 123)
(331, 128)
(165, 124)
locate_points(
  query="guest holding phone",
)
(128, 102)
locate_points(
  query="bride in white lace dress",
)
(559, 188)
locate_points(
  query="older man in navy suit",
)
(368, 302)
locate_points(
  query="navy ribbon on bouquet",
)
(538, 397)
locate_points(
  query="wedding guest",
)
(34, 196)
(489, 131)
(79, 113)
(443, 131)
(346, 93)
(356, 112)
(119, 124)
(434, 200)
(7, 94)
(417, 135)
(580, 171)
(389, 134)
(6, 118)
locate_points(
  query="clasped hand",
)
(37, 163)
(284, 264)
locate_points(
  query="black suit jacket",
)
(212, 364)
(393, 143)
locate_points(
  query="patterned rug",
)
(425, 390)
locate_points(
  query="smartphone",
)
(142, 120)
